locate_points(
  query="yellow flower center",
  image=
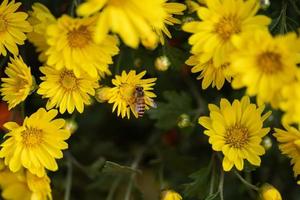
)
(269, 62)
(227, 26)
(68, 80)
(116, 2)
(3, 25)
(32, 137)
(237, 136)
(127, 93)
(80, 37)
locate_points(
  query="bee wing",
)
(152, 102)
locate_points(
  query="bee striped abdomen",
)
(140, 106)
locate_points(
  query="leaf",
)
(199, 186)
(167, 113)
(112, 167)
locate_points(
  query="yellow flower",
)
(269, 192)
(264, 63)
(170, 195)
(220, 21)
(211, 74)
(290, 101)
(71, 46)
(133, 20)
(36, 144)
(40, 18)
(23, 185)
(289, 145)
(236, 130)
(66, 91)
(13, 26)
(123, 94)
(171, 9)
(19, 83)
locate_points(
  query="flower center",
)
(68, 80)
(237, 136)
(269, 62)
(127, 93)
(32, 137)
(80, 37)
(116, 2)
(228, 26)
(2, 25)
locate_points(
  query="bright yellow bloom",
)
(133, 20)
(220, 21)
(170, 195)
(290, 101)
(211, 74)
(36, 144)
(19, 83)
(66, 91)
(123, 94)
(264, 63)
(13, 26)
(23, 185)
(236, 130)
(269, 192)
(40, 18)
(289, 145)
(71, 46)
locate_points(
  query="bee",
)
(140, 101)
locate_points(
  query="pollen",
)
(237, 136)
(32, 137)
(228, 26)
(68, 80)
(79, 37)
(269, 62)
(127, 93)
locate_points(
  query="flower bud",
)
(265, 4)
(71, 125)
(268, 192)
(162, 63)
(267, 143)
(102, 94)
(170, 195)
(184, 121)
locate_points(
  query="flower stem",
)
(69, 178)
(221, 184)
(246, 182)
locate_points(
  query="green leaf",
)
(199, 186)
(168, 113)
(112, 167)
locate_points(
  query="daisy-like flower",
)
(289, 101)
(19, 83)
(133, 20)
(210, 74)
(269, 192)
(237, 131)
(66, 91)
(221, 20)
(23, 185)
(123, 94)
(71, 46)
(13, 26)
(170, 195)
(40, 18)
(264, 63)
(289, 145)
(36, 144)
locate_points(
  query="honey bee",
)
(140, 101)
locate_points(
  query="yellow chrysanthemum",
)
(13, 26)
(289, 144)
(237, 131)
(66, 91)
(23, 185)
(264, 63)
(40, 18)
(19, 83)
(36, 144)
(289, 103)
(211, 75)
(71, 46)
(123, 94)
(269, 192)
(220, 21)
(170, 195)
(133, 20)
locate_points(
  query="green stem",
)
(221, 184)
(213, 174)
(245, 182)
(295, 6)
(69, 178)
(113, 188)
